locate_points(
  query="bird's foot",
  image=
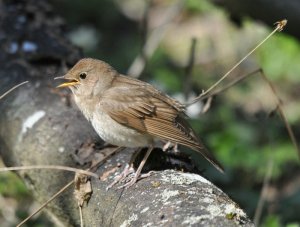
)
(128, 170)
(134, 179)
(129, 177)
(169, 145)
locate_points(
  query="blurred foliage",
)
(237, 128)
(280, 58)
(116, 34)
(12, 186)
(16, 203)
(272, 221)
(193, 6)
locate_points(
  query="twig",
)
(66, 168)
(226, 87)
(281, 113)
(189, 68)
(13, 88)
(279, 103)
(207, 105)
(145, 26)
(263, 192)
(113, 152)
(279, 28)
(46, 203)
(80, 214)
(67, 185)
(154, 39)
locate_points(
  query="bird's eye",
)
(82, 75)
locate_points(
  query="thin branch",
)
(189, 68)
(80, 214)
(46, 203)
(13, 88)
(145, 25)
(279, 103)
(207, 105)
(66, 168)
(226, 87)
(118, 149)
(111, 153)
(154, 39)
(279, 27)
(281, 113)
(263, 193)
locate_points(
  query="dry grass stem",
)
(13, 88)
(153, 39)
(66, 168)
(279, 27)
(261, 201)
(46, 203)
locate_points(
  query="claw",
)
(135, 179)
(128, 170)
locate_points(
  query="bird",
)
(128, 112)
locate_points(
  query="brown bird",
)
(128, 112)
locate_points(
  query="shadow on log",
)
(39, 126)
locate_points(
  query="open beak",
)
(69, 83)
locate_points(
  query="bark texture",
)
(40, 126)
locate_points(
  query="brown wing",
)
(139, 109)
(134, 83)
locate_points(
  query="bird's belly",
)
(114, 133)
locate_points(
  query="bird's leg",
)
(129, 169)
(120, 178)
(138, 174)
(169, 145)
(166, 146)
(176, 148)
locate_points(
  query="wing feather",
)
(139, 109)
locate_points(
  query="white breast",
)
(114, 133)
(108, 129)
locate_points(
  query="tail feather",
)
(208, 156)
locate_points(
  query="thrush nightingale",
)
(128, 112)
